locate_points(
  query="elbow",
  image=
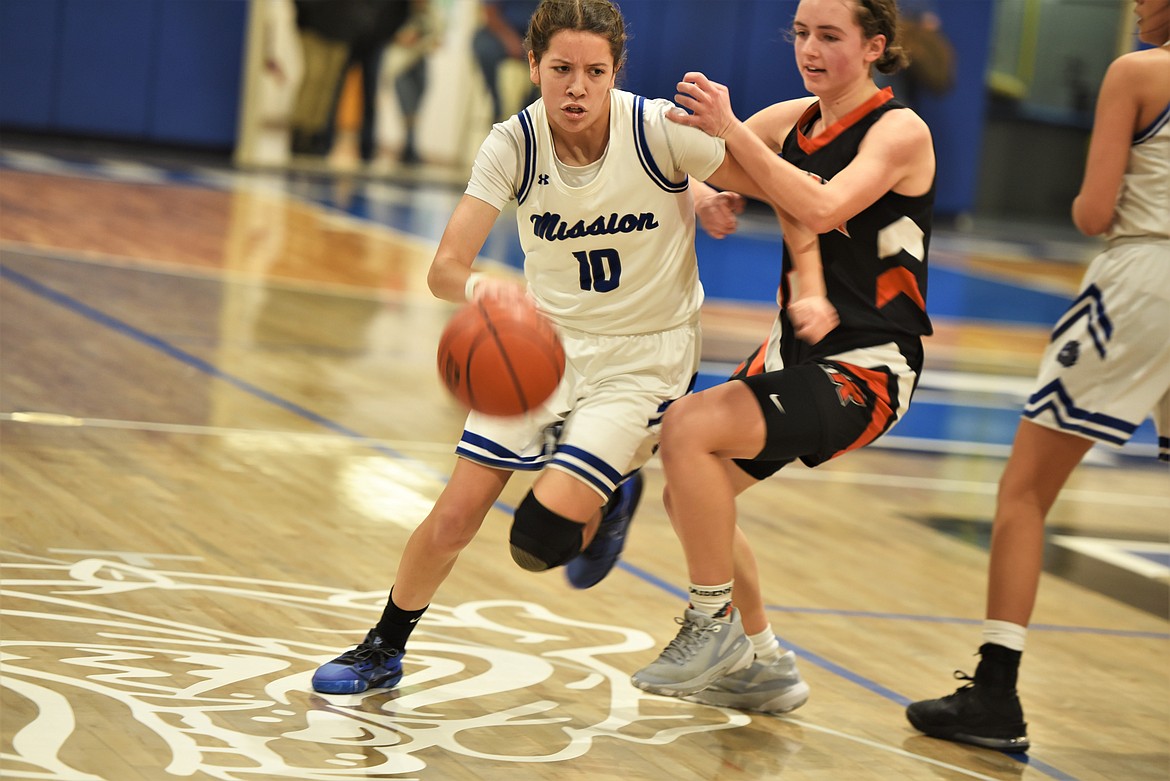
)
(1091, 222)
(820, 215)
(824, 225)
(1091, 228)
(434, 280)
(818, 218)
(821, 221)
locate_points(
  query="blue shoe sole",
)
(355, 684)
(594, 563)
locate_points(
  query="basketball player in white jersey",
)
(607, 222)
(1105, 370)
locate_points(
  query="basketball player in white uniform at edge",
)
(606, 217)
(1106, 368)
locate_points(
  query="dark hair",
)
(880, 17)
(591, 16)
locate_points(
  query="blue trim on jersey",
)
(1072, 418)
(1159, 122)
(591, 460)
(606, 489)
(500, 463)
(504, 456)
(644, 155)
(654, 421)
(1090, 305)
(529, 156)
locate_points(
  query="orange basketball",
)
(500, 358)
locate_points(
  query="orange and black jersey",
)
(874, 264)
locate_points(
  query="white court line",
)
(970, 487)
(1120, 553)
(890, 749)
(280, 440)
(277, 440)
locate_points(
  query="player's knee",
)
(541, 539)
(677, 430)
(446, 534)
(668, 500)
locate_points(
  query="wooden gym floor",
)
(221, 420)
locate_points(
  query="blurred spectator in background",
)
(404, 78)
(932, 57)
(334, 35)
(498, 46)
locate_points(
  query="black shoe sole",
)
(1019, 744)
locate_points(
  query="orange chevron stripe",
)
(896, 281)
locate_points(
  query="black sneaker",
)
(974, 714)
(372, 665)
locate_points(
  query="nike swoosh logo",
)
(776, 400)
(415, 620)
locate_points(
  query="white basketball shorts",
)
(1107, 366)
(603, 420)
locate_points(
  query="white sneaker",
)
(705, 650)
(765, 688)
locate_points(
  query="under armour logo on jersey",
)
(1069, 354)
(542, 179)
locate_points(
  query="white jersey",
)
(1143, 206)
(608, 248)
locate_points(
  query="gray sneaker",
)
(765, 688)
(705, 650)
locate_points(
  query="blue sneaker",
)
(592, 565)
(371, 665)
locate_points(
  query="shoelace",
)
(368, 652)
(959, 675)
(686, 644)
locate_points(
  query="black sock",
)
(998, 668)
(396, 624)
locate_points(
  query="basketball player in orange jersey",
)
(1105, 369)
(607, 222)
(858, 167)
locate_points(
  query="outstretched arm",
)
(896, 153)
(810, 311)
(450, 276)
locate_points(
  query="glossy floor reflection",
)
(221, 420)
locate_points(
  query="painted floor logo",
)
(158, 665)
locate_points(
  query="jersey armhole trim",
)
(529, 162)
(1159, 122)
(645, 156)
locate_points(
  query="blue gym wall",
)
(170, 71)
(743, 45)
(160, 71)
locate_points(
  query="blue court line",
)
(195, 362)
(1133, 633)
(681, 593)
(119, 326)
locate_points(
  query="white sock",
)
(766, 645)
(711, 600)
(1005, 633)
